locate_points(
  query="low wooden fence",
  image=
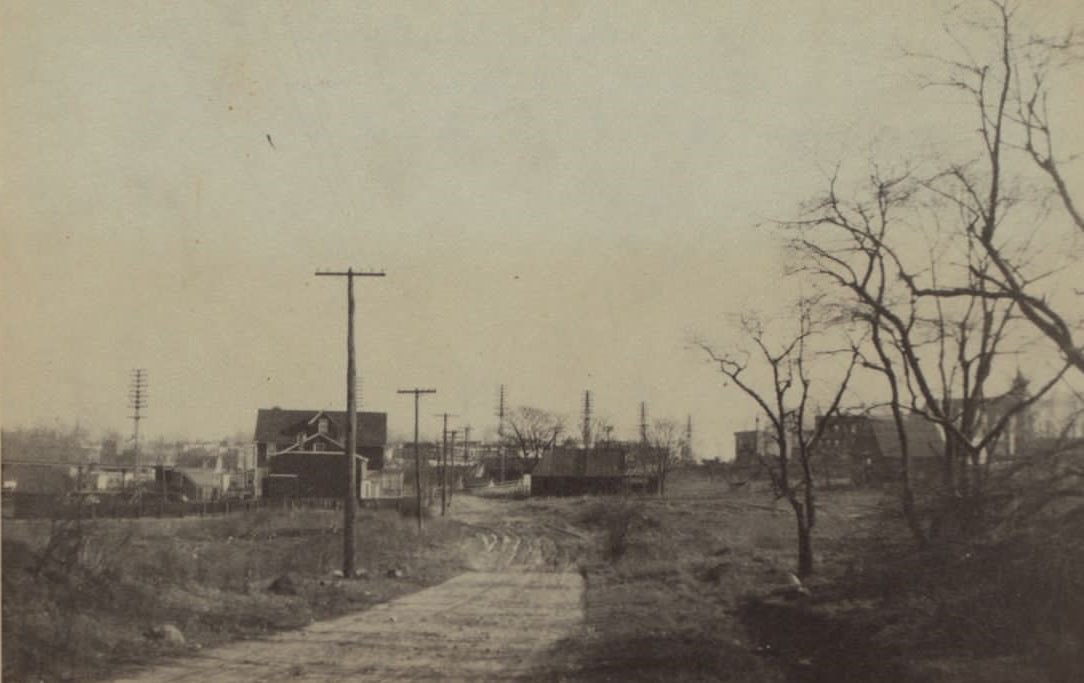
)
(498, 490)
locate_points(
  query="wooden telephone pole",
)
(466, 456)
(500, 431)
(350, 496)
(444, 465)
(417, 457)
(451, 452)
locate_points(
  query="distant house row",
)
(866, 448)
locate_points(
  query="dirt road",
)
(494, 623)
(478, 626)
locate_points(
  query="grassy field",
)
(696, 586)
(667, 588)
(82, 600)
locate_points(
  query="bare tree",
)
(784, 398)
(936, 348)
(532, 432)
(941, 316)
(663, 451)
(1007, 75)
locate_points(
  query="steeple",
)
(1019, 383)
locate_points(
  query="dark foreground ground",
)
(693, 587)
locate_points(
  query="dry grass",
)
(78, 598)
(696, 587)
(664, 590)
(682, 588)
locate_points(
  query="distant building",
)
(1058, 420)
(746, 448)
(869, 447)
(1017, 435)
(39, 478)
(577, 472)
(299, 453)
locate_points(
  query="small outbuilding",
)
(567, 472)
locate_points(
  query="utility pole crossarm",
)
(349, 272)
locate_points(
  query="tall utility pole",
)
(687, 449)
(451, 451)
(587, 419)
(466, 454)
(500, 431)
(444, 465)
(417, 456)
(643, 421)
(137, 401)
(350, 495)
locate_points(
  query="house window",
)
(300, 438)
(322, 425)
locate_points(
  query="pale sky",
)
(561, 194)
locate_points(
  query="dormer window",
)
(300, 438)
(322, 425)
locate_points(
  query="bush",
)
(616, 518)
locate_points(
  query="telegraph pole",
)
(587, 419)
(444, 464)
(687, 450)
(466, 455)
(350, 496)
(643, 421)
(417, 457)
(451, 448)
(500, 431)
(137, 401)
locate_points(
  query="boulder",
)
(167, 633)
(283, 585)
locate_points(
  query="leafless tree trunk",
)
(784, 400)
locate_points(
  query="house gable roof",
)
(280, 426)
(334, 446)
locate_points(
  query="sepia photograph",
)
(564, 340)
